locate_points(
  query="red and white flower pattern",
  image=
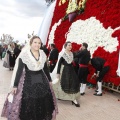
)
(99, 26)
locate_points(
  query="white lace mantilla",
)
(31, 62)
(68, 57)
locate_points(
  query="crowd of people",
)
(10, 53)
(33, 90)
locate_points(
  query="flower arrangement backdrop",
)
(98, 24)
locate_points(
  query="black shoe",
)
(97, 94)
(82, 93)
(77, 105)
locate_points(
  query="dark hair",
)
(66, 43)
(52, 45)
(85, 45)
(34, 37)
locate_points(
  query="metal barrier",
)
(111, 86)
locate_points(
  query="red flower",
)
(108, 13)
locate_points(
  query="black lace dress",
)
(67, 87)
(69, 79)
(37, 100)
(11, 58)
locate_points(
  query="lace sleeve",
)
(47, 72)
(19, 72)
(59, 65)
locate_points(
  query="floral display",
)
(75, 7)
(98, 25)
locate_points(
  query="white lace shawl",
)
(30, 61)
(68, 57)
(54, 73)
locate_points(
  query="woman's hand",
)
(93, 76)
(97, 75)
(14, 90)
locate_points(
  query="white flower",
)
(51, 35)
(92, 32)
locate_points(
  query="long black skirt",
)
(34, 100)
(37, 100)
(69, 80)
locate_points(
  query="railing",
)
(111, 86)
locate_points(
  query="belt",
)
(82, 65)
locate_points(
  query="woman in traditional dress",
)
(16, 51)
(33, 96)
(67, 88)
(11, 54)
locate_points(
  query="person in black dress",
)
(16, 50)
(33, 96)
(11, 54)
(1, 51)
(101, 68)
(83, 59)
(53, 57)
(67, 88)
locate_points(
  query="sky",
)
(21, 17)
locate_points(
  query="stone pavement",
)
(92, 107)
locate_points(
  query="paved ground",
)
(106, 107)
